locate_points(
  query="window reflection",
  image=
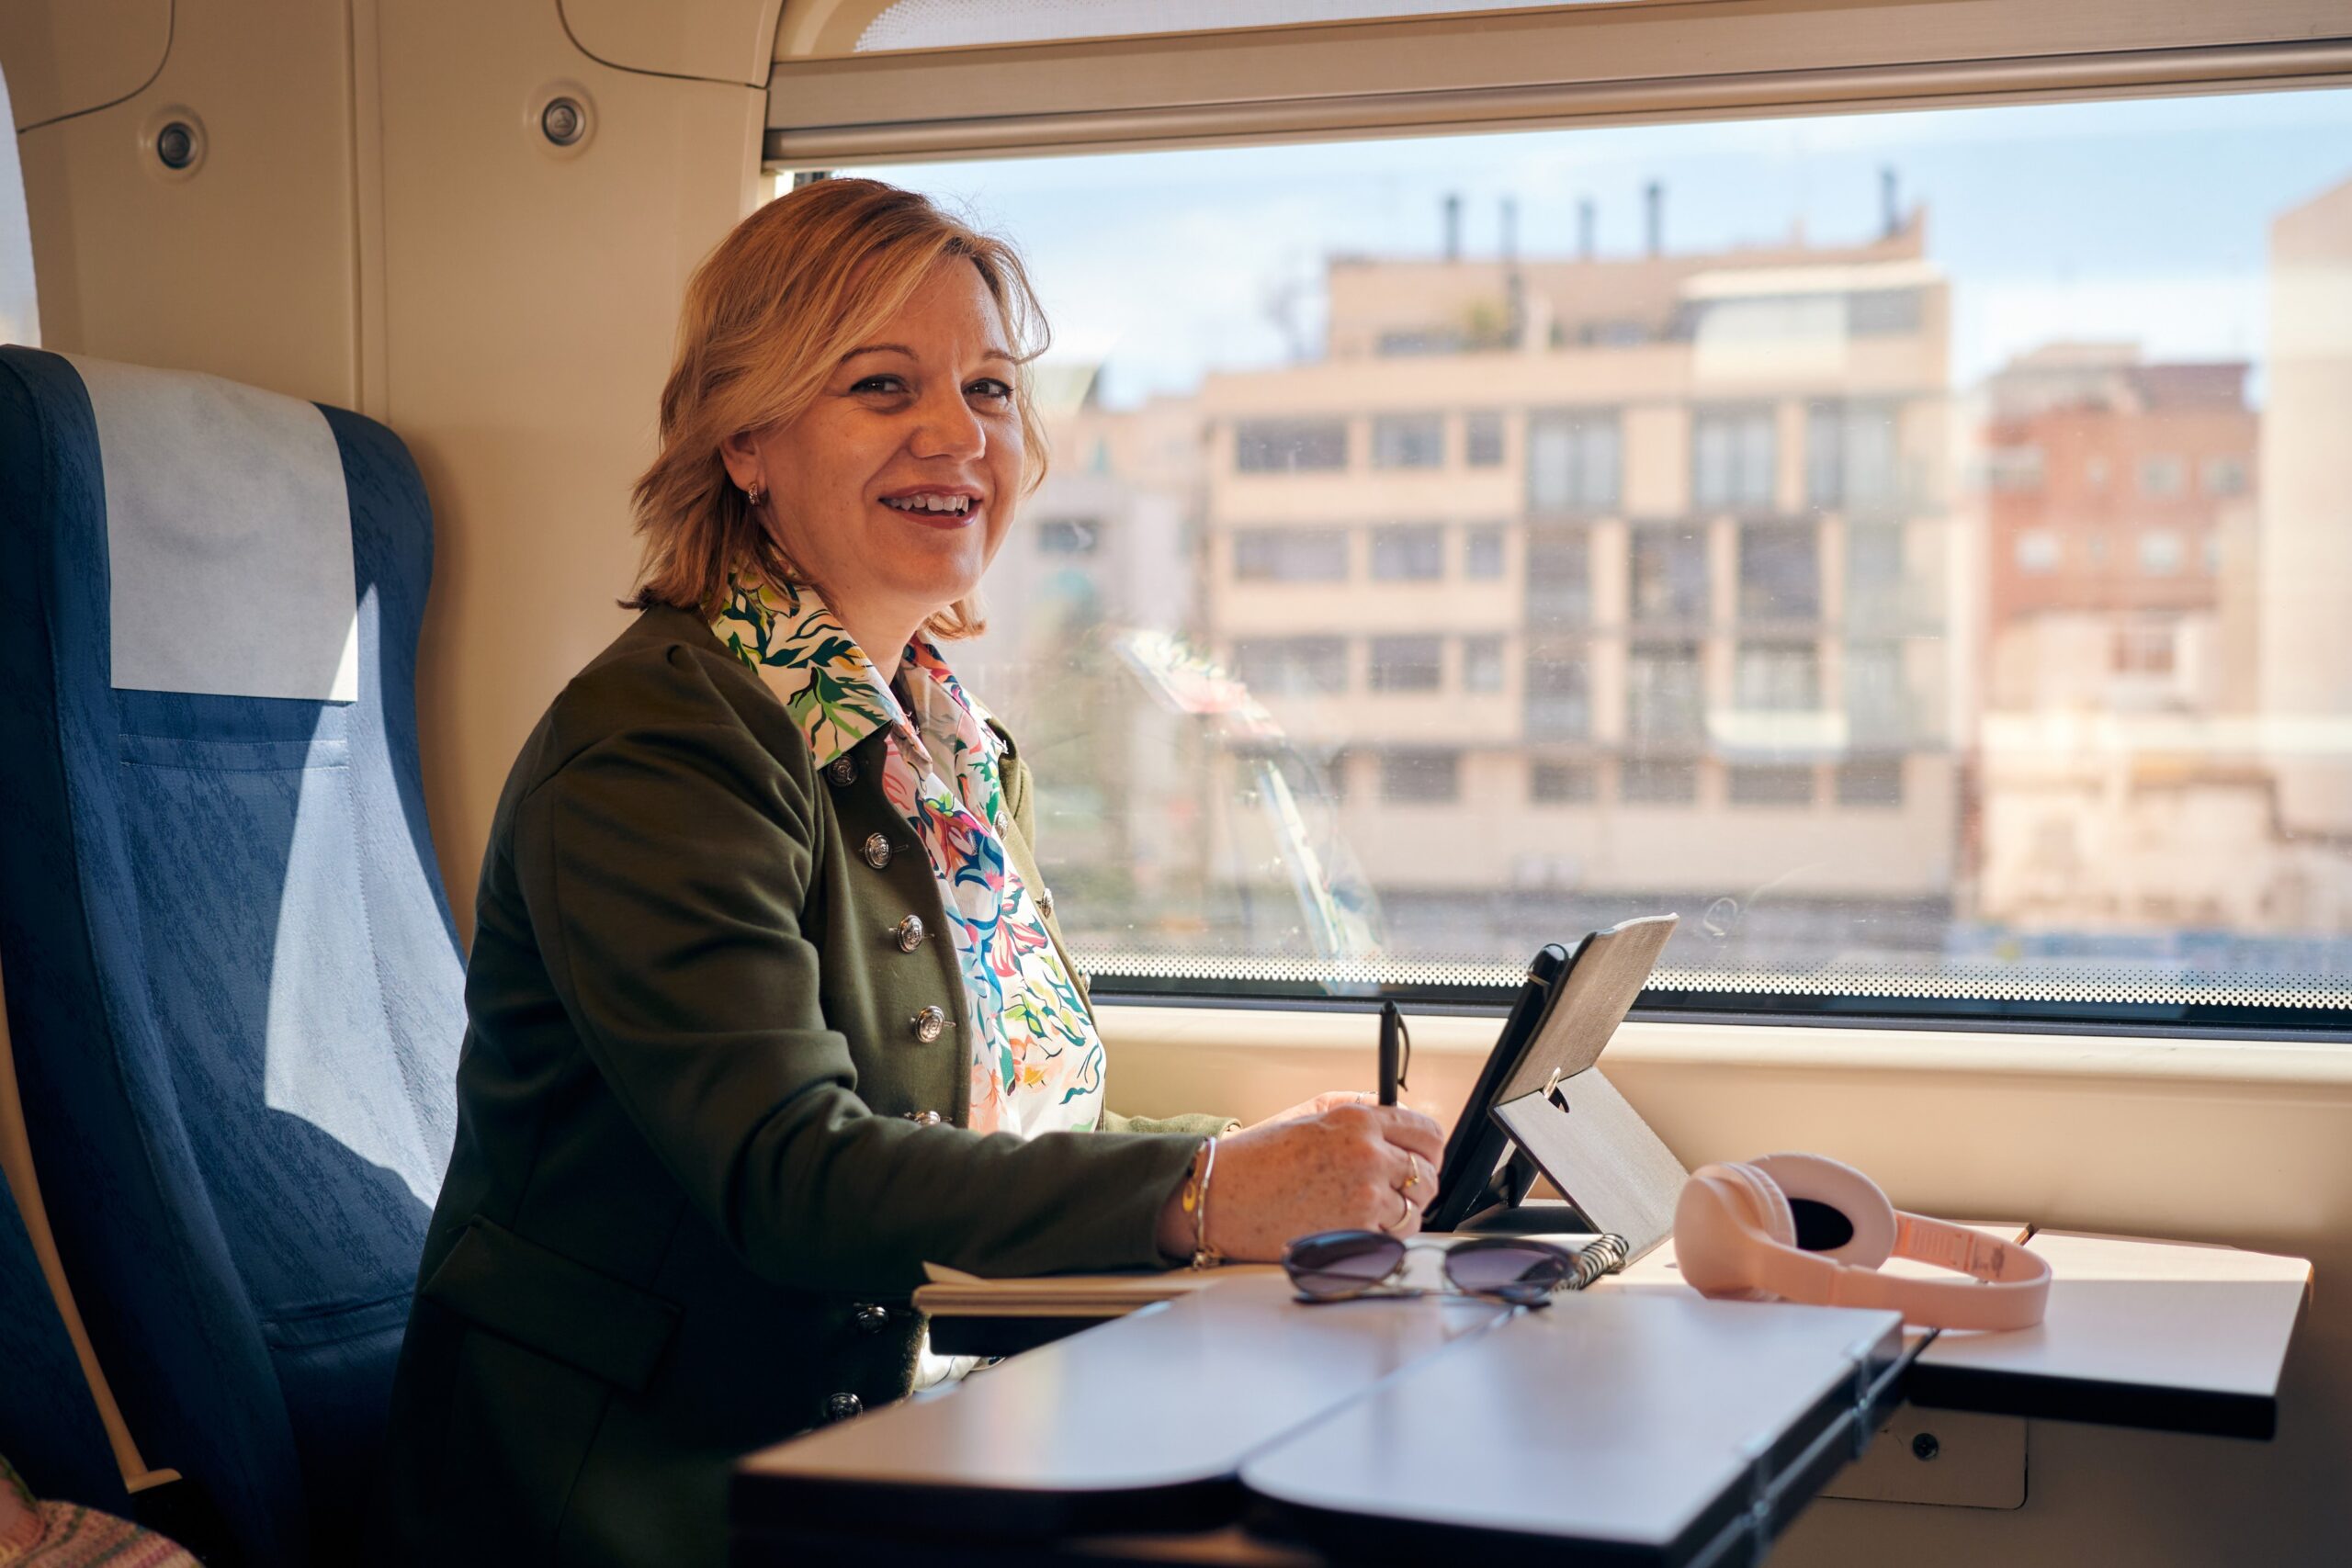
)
(1933, 593)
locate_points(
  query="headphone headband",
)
(1735, 1234)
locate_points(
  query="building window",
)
(1657, 781)
(2144, 650)
(2224, 475)
(1871, 781)
(1482, 440)
(1774, 783)
(1732, 458)
(1777, 677)
(1563, 784)
(1875, 576)
(1572, 462)
(1850, 460)
(1482, 664)
(1669, 574)
(1559, 697)
(1418, 776)
(1412, 552)
(1407, 663)
(1409, 441)
(1665, 696)
(2015, 471)
(1292, 666)
(1289, 445)
(2162, 476)
(1482, 551)
(1068, 537)
(1559, 576)
(2038, 550)
(2160, 553)
(1290, 555)
(1779, 571)
(1877, 707)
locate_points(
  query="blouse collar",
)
(790, 637)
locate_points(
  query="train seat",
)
(234, 990)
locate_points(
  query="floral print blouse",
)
(1036, 1062)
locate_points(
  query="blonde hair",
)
(768, 315)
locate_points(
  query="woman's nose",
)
(945, 427)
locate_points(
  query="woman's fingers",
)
(1411, 1130)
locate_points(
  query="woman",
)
(767, 1005)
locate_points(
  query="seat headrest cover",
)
(228, 537)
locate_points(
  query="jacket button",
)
(1046, 902)
(908, 933)
(842, 1406)
(877, 851)
(842, 769)
(869, 1317)
(925, 1118)
(929, 1024)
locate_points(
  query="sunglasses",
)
(1332, 1266)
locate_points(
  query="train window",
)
(1776, 521)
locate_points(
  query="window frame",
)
(1664, 61)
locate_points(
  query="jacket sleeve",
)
(1022, 807)
(663, 867)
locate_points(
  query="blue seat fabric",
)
(246, 1277)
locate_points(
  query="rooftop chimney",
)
(1653, 210)
(1584, 228)
(1453, 228)
(1890, 210)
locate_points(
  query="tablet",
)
(1572, 1002)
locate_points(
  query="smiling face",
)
(894, 489)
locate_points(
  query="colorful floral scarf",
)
(1036, 1062)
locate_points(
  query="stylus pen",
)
(1392, 1065)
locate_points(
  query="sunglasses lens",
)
(1336, 1263)
(1512, 1271)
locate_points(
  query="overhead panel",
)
(68, 57)
(716, 40)
(1492, 69)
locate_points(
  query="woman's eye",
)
(879, 384)
(989, 387)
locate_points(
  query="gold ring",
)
(1404, 1212)
(1415, 1180)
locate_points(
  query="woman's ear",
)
(740, 452)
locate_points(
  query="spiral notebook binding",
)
(1604, 1254)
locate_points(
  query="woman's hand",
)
(1319, 1104)
(1349, 1166)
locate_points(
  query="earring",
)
(755, 493)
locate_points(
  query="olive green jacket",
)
(694, 1183)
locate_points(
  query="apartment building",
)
(1620, 577)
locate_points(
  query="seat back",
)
(234, 987)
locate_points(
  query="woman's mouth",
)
(936, 509)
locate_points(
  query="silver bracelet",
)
(1204, 1254)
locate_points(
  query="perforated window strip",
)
(949, 24)
(1958, 982)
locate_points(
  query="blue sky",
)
(2145, 220)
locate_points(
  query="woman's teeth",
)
(959, 505)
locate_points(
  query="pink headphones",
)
(1808, 1229)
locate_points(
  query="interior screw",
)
(564, 121)
(1923, 1447)
(175, 144)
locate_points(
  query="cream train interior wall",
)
(378, 224)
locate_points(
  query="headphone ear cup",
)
(1718, 1221)
(1810, 1184)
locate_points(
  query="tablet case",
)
(1543, 1102)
